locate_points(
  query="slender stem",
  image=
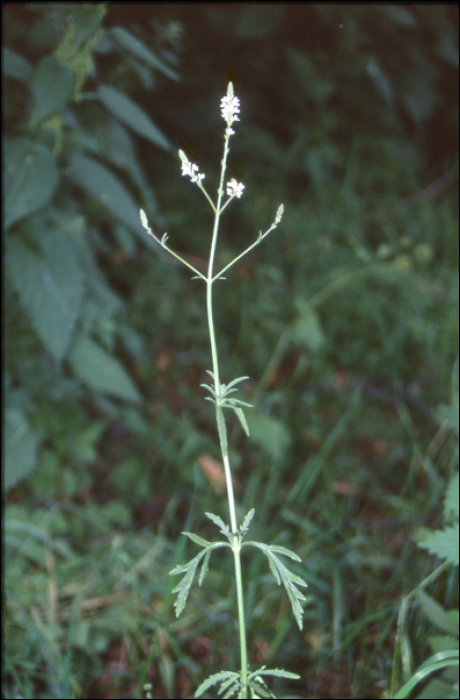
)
(236, 546)
(224, 269)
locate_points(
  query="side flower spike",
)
(190, 169)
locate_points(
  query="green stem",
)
(224, 269)
(236, 546)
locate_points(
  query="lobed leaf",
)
(204, 566)
(217, 678)
(282, 573)
(444, 543)
(183, 587)
(247, 520)
(225, 530)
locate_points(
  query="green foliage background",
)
(346, 321)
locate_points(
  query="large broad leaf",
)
(20, 448)
(114, 142)
(52, 86)
(49, 282)
(101, 371)
(31, 177)
(137, 48)
(131, 114)
(100, 183)
(14, 65)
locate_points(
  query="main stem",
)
(236, 546)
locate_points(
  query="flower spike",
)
(230, 108)
(190, 169)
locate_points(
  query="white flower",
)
(190, 169)
(230, 107)
(234, 188)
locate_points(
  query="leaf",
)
(15, 66)
(242, 418)
(100, 183)
(49, 282)
(222, 429)
(399, 15)
(217, 678)
(443, 543)
(279, 672)
(225, 530)
(236, 381)
(114, 142)
(236, 402)
(183, 587)
(436, 614)
(20, 448)
(286, 552)
(137, 48)
(282, 573)
(189, 569)
(197, 539)
(131, 114)
(52, 86)
(210, 389)
(31, 177)
(247, 521)
(100, 371)
(204, 567)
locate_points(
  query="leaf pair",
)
(231, 683)
(281, 573)
(220, 399)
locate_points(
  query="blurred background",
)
(345, 319)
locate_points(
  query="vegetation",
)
(346, 322)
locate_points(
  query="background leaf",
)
(14, 65)
(52, 86)
(49, 282)
(101, 371)
(131, 114)
(106, 188)
(20, 448)
(31, 177)
(136, 47)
